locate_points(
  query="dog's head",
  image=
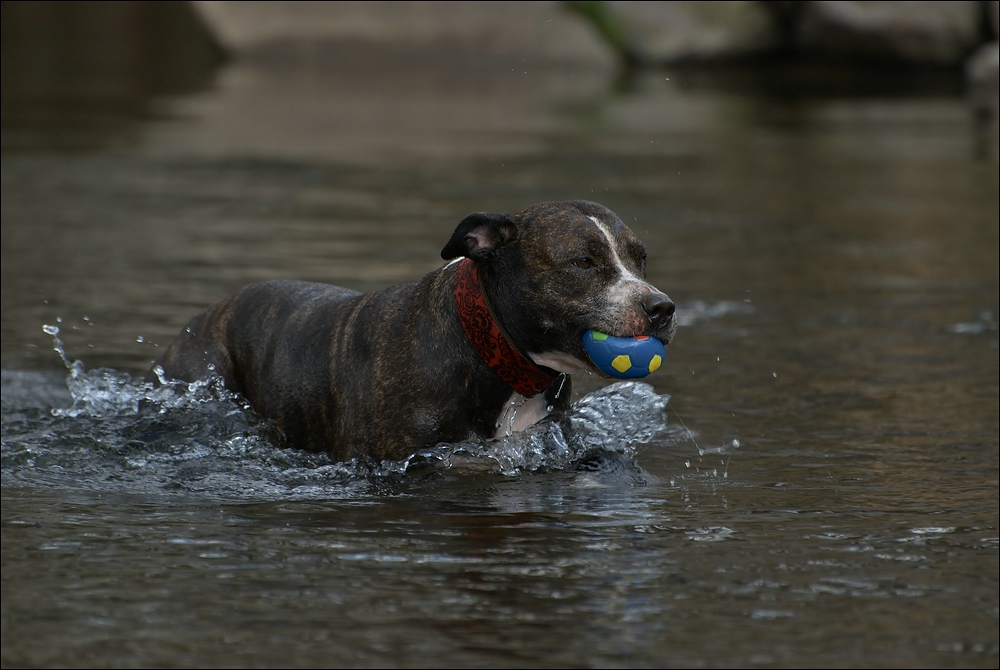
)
(558, 269)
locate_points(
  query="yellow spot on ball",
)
(621, 363)
(654, 364)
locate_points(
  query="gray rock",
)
(310, 33)
(933, 33)
(982, 74)
(672, 32)
(982, 71)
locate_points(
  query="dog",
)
(480, 348)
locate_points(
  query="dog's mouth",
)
(665, 334)
(634, 325)
(623, 353)
(575, 357)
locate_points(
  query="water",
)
(820, 487)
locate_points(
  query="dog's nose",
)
(659, 308)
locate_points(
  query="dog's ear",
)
(480, 235)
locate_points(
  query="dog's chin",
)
(561, 362)
(666, 333)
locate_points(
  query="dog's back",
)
(261, 340)
(375, 374)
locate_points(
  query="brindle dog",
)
(385, 374)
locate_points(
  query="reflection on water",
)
(834, 260)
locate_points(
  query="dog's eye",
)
(584, 263)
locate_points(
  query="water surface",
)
(820, 488)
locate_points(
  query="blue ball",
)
(624, 357)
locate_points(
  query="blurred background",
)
(817, 184)
(158, 155)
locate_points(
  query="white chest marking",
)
(559, 362)
(519, 413)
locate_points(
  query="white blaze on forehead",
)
(627, 275)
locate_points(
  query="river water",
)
(811, 479)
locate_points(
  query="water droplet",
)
(58, 319)
(139, 339)
(736, 444)
(562, 382)
(687, 463)
(51, 330)
(774, 374)
(160, 374)
(548, 408)
(211, 366)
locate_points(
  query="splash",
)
(617, 419)
(690, 313)
(128, 434)
(107, 392)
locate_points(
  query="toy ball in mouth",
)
(624, 357)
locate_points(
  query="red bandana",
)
(484, 332)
